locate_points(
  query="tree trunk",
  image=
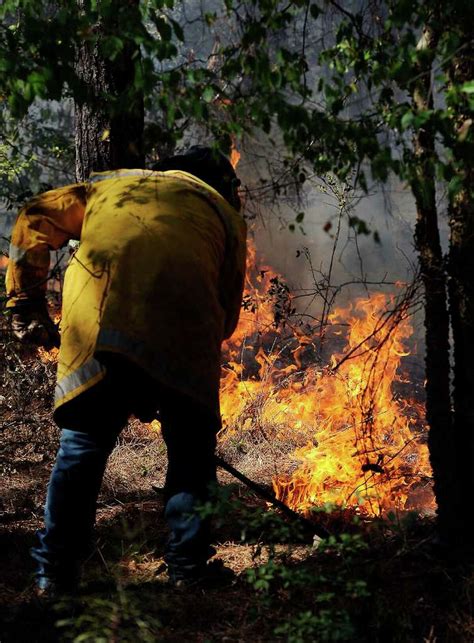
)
(109, 119)
(461, 280)
(427, 240)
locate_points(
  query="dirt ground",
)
(383, 581)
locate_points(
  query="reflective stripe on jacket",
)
(157, 278)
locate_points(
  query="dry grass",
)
(414, 596)
(258, 446)
(259, 443)
(137, 463)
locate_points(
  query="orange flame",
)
(48, 356)
(234, 156)
(361, 444)
(356, 442)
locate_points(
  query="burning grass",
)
(335, 430)
(323, 426)
(287, 412)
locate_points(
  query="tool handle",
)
(319, 530)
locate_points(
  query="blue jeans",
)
(189, 432)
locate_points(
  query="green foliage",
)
(37, 60)
(120, 617)
(329, 618)
(36, 153)
(346, 107)
(254, 524)
(10, 168)
(326, 597)
(256, 77)
(326, 625)
(377, 65)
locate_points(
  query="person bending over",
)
(153, 289)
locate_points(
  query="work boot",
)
(55, 581)
(52, 592)
(213, 574)
(51, 597)
(188, 548)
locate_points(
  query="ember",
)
(234, 156)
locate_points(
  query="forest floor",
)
(383, 581)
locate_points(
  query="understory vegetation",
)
(342, 113)
(373, 580)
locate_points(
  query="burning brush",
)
(365, 446)
(360, 445)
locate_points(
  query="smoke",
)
(378, 247)
(311, 255)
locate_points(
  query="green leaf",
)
(407, 120)
(37, 81)
(421, 118)
(208, 94)
(468, 88)
(455, 186)
(111, 47)
(210, 18)
(359, 225)
(299, 217)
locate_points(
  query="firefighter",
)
(149, 295)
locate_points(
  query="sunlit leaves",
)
(360, 108)
(467, 88)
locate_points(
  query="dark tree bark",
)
(109, 119)
(461, 278)
(427, 240)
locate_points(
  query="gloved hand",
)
(31, 323)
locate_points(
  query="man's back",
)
(157, 278)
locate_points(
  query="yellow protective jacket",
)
(157, 278)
